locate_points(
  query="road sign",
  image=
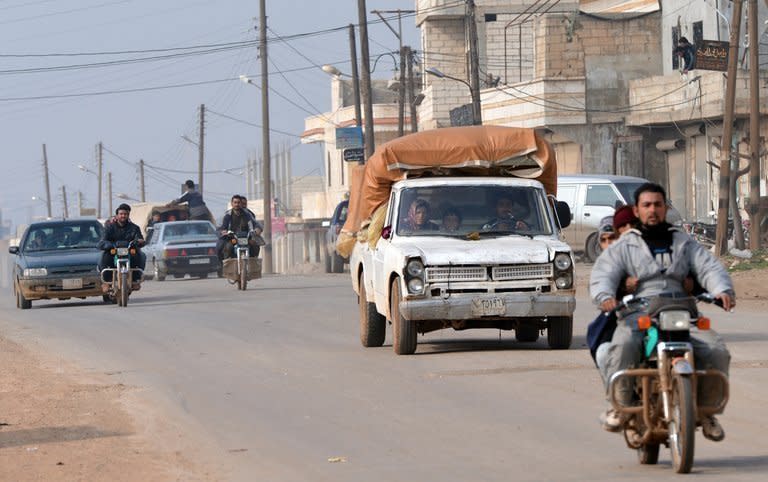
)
(354, 154)
(349, 137)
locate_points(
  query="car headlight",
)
(564, 281)
(35, 272)
(416, 285)
(415, 268)
(562, 262)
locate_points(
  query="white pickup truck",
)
(466, 252)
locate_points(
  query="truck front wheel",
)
(373, 326)
(404, 331)
(560, 332)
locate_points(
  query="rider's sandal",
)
(712, 429)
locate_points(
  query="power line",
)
(251, 123)
(247, 43)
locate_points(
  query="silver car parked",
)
(179, 248)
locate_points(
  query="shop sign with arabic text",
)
(712, 55)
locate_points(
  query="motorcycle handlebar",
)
(630, 300)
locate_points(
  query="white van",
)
(592, 197)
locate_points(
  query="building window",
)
(698, 33)
(490, 17)
(675, 57)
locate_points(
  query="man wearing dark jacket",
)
(238, 220)
(122, 229)
(194, 200)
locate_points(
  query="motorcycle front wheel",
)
(123, 289)
(682, 427)
(243, 273)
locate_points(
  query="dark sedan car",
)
(179, 248)
(334, 263)
(57, 260)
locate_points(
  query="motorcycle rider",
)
(660, 256)
(237, 220)
(122, 229)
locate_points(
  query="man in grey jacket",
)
(660, 257)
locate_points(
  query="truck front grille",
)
(521, 272)
(463, 274)
(456, 274)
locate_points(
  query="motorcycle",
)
(121, 283)
(665, 381)
(242, 268)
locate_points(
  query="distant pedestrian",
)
(197, 208)
(687, 54)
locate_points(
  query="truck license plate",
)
(199, 261)
(72, 283)
(488, 307)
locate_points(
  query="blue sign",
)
(349, 137)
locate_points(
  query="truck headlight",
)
(30, 272)
(564, 281)
(415, 268)
(415, 285)
(562, 262)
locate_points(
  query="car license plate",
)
(72, 283)
(199, 261)
(488, 307)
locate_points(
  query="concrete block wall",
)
(444, 48)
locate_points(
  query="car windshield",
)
(627, 190)
(189, 230)
(64, 236)
(454, 210)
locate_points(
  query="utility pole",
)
(721, 240)
(142, 188)
(64, 198)
(365, 79)
(79, 203)
(401, 94)
(355, 79)
(411, 93)
(47, 184)
(100, 157)
(754, 129)
(201, 150)
(109, 192)
(266, 173)
(474, 63)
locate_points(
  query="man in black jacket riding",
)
(122, 229)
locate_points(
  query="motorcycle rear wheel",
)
(682, 427)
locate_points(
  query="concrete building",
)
(598, 77)
(322, 129)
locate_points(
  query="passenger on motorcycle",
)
(237, 220)
(122, 229)
(660, 256)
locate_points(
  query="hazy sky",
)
(55, 89)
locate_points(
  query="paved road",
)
(276, 380)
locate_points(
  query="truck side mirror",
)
(13, 249)
(563, 213)
(386, 232)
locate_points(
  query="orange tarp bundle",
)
(456, 151)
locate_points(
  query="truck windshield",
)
(453, 210)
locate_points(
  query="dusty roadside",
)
(56, 424)
(751, 285)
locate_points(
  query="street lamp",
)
(123, 195)
(476, 117)
(331, 70)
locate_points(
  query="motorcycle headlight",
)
(122, 251)
(564, 281)
(674, 320)
(415, 268)
(415, 285)
(562, 262)
(29, 272)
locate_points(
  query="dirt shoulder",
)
(751, 285)
(57, 425)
